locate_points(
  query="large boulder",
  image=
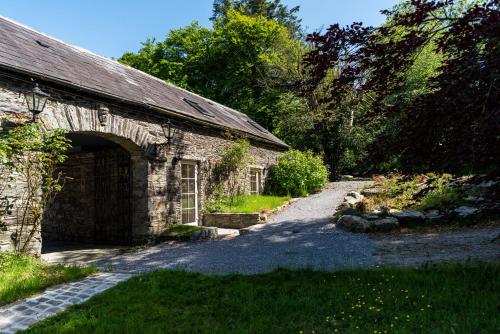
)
(353, 223)
(487, 184)
(434, 215)
(355, 194)
(346, 210)
(384, 224)
(370, 216)
(372, 191)
(465, 211)
(408, 216)
(474, 199)
(353, 198)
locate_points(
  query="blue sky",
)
(111, 27)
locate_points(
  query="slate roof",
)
(29, 51)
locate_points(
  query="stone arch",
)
(138, 169)
(98, 119)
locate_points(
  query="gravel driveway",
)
(437, 246)
(301, 236)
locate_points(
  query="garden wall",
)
(232, 220)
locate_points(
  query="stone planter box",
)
(232, 220)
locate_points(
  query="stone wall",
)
(11, 192)
(155, 164)
(232, 220)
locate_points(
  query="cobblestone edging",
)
(21, 314)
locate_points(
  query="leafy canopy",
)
(272, 10)
(430, 73)
(245, 62)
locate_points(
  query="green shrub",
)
(297, 174)
(421, 192)
(440, 198)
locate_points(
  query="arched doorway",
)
(96, 204)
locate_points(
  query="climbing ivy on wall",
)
(226, 175)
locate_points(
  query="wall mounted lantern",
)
(36, 100)
(168, 130)
(159, 151)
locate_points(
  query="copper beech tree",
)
(455, 124)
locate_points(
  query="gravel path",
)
(301, 236)
(448, 245)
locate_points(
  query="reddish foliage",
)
(456, 126)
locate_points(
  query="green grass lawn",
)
(442, 299)
(22, 276)
(251, 203)
(181, 230)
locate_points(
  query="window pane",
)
(184, 170)
(185, 218)
(184, 201)
(191, 214)
(184, 187)
(191, 201)
(191, 186)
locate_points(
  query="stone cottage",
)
(142, 149)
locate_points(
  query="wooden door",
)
(112, 197)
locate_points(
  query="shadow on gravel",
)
(302, 236)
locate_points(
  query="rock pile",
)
(484, 202)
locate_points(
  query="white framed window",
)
(189, 193)
(255, 179)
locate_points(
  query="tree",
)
(272, 10)
(182, 58)
(449, 123)
(245, 62)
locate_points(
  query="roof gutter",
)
(167, 111)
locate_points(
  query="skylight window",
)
(257, 126)
(42, 44)
(200, 109)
